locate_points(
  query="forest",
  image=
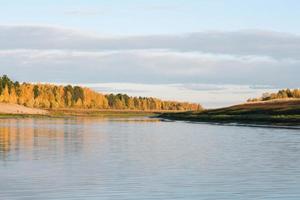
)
(49, 96)
(281, 94)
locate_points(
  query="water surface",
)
(145, 159)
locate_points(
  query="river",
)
(143, 158)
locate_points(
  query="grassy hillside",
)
(286, 112)
(275, 107)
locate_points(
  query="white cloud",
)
(56, 54)
(84, 12)
(148, 66)
(248, 42)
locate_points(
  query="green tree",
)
(78, 94)
(36, 91)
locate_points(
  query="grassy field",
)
(99, 113)
(58, 113)
(286, 112)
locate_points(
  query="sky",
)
(213, 52)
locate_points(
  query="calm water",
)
(145, 159)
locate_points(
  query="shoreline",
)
(237, 124)
(8, 110)
(160, 117)
(257, 124)
(260, 122)
(74, 113)
(281, 114)
(274, 113)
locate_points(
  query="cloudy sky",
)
(215, 52)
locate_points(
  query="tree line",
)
(51, 96)
(281, 94)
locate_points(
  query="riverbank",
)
(18, 111)
(100, 113)
(14, 109)
(279, 112)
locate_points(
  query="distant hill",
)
(49, 96)
(271, 107)
(277, 112)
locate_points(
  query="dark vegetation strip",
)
(277, 113)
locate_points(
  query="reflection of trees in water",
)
(39, 137)
(4, 140)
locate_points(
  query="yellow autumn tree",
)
(51, 96)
